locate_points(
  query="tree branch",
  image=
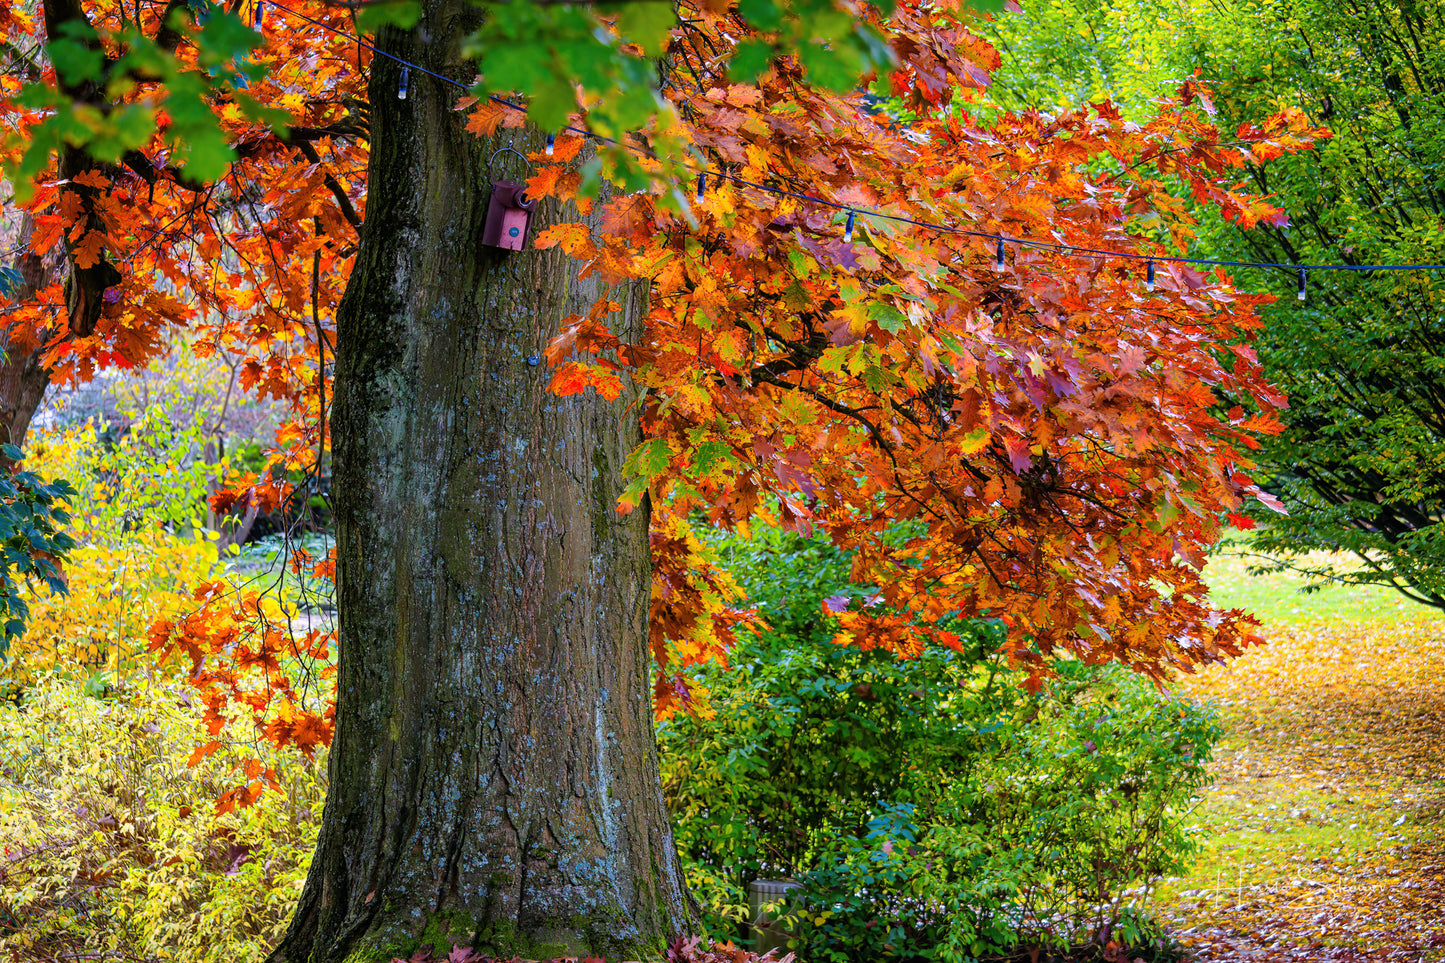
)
(339, 192)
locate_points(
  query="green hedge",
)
(932, 808)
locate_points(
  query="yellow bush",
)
(109, 843)
(115, 594)
(128, 568)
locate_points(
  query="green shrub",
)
(134, 516)
(31, 541)
(931, 808)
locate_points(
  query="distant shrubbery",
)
(931, 808)
(111, 846)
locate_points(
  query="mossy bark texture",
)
(494, 775)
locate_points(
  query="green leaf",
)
(195, 131)
(834, 67)
(397, 13)
(75, 61)
(646, 23)
(710, 455)
(652, 457)
(225, 39)
(1168, 514)
(763, 14)
(889, 318)
(11, 280)
(750, 61)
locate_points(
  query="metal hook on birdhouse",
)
(504, 150)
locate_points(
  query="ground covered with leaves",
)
(1323, 829)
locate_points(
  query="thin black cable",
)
(1068, 250)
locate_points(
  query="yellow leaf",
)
(975, 441)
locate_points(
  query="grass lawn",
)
(1279, 598)
(1322, 830)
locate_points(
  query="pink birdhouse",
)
(509, 216)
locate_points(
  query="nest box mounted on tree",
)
(509, 216)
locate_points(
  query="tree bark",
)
(494, 777)
(23, 382)
(23, 379)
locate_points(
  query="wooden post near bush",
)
(765, 935)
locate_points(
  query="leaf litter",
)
(1322, 832)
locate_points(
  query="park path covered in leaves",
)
(1323, 831)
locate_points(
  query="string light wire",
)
(1067, 250)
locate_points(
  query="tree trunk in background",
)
(23, 379)
(494, 775)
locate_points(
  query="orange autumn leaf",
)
(202, 751)
(486, 118)
(88, 252)
(46, 233)
(574, 377)
(575, 239)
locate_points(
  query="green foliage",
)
(155, 475)
(1361, 465)
(83, 64)
(11, 280)
(544, 49)
(932, 808)
(109, 846)
(1061, 53)
(31, 542)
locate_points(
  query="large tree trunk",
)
(494, 776)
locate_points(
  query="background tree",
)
(136, 236)
(24, 376)
(1360, 464)
(1047, 422)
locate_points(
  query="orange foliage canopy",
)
(255, 261)
(1058, 433)
(252, 263)
(1062, 440)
